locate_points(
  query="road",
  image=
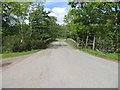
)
(61, 66)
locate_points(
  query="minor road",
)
(61, 66)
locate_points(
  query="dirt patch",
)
(5, 64)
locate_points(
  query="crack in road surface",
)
(61, 66)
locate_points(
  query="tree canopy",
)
(27, 26)
(94, 25)
(18, 35)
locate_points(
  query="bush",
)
(36, 44)
(15, 43)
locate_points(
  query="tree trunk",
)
(99, 43)
(86, 45)
(94, 43)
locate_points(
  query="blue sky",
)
(57, 9)
(56, 4)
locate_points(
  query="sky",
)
(57, 9)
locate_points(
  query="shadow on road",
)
(55, 46)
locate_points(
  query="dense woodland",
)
(95, 25)
(17, 35)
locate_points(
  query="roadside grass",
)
(14, 54)
(8, 55)
(111, 56)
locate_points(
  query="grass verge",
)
(8, 55)
(111, 56)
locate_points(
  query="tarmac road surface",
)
(61, 66)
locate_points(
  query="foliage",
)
(7, 55)
(17, 35)
(95, 25)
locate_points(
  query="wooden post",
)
(86, 42)
(94, 43)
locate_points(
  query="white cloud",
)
(59, 13)
(59, 10)
(52, 14)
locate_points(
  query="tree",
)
(92, 23)
(20, 36)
